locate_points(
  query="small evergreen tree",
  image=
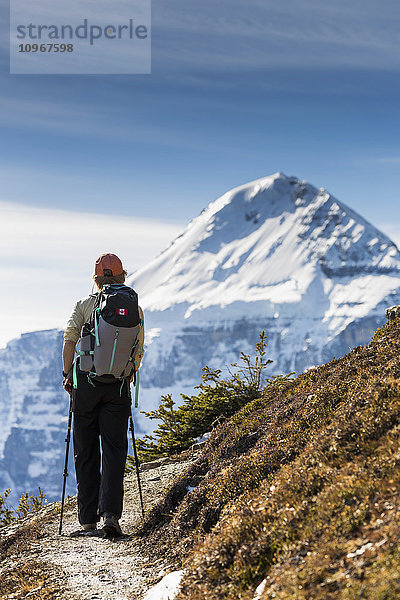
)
(179, 427)
(6, 514)
(253, 372)
(26, 504)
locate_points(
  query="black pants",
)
(100, 412)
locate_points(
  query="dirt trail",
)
(92, 568)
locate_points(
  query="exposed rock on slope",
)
(33, 408)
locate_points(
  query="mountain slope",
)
(295, 496)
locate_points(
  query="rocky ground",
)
(48, 566)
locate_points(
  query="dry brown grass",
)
(22, 575)
(300, 487)
(31, 580)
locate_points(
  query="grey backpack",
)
(110, 340)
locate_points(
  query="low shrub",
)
(26, 504)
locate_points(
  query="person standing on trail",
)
(109, 326)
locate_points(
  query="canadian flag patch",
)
(123, 312)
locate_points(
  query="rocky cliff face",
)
(276, 254)
(33, 411)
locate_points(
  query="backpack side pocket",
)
(86, 350)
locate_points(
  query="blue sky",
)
(237, 91)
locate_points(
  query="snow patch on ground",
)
(260, 589)
(167, 588)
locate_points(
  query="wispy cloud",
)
(390, 160)
(80, 119)
(264, 34)
(286, 34)
(378, 159)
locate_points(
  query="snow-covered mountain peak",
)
(268, 239)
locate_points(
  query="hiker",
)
(102, 403)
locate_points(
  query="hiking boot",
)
(89, 527)
(111, 526)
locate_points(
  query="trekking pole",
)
(132, 430)
(65, 474)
